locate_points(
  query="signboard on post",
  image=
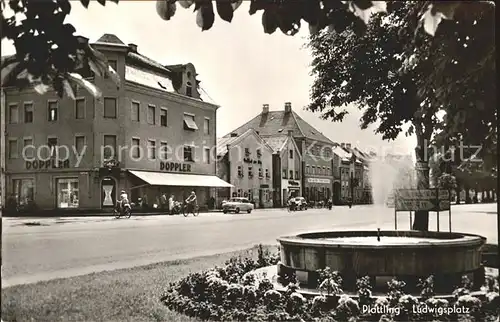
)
(422, 199)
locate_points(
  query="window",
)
(13, 114)
(24, 190)
(240, 171)
(291, 174)
(80, 108)
(136, 148)
(328, 172)
(267, 173)
(110, 107)
(109, 149)
(188, 153)
(80, 144)
(28, 112)
(206, 156)
(206, 126)
(247, 152)
(259, 153)
(189, 89)
(113, 64)
(297, 175)
(307, 169)
(136, 107)
(52, 143)
(284, 173)
(163, 117)
(68, 195)
(291, 154)
(163, 150)
(52, 111)
(152, 149)
(189, 122)
(151, 114)
(261, 173)
(28, 151)
(313, 169)
(13, 149)
(250, 172)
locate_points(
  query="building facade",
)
(245, 161)
(153, 134)
(315, 148)
(287, 168)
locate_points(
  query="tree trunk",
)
(421, 221)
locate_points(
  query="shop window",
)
(291, 174)
(136, 111)
(151, 114)
(110, 107)
(163, 117)
(28, 112)
(68, 195)
(240, 171)
(24, 191)
(80, 108)
(13, 114)
(188, 153)
(52, 111)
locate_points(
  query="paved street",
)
(51, 248)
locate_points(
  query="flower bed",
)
(231, 293)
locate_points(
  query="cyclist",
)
(123, 200)
(192, 201)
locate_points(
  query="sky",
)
(240, 67)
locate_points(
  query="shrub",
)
(231, 293)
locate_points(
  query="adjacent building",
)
(315, 148)
(246, 162)
(287, 168)
(153, 134)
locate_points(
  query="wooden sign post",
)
(422, 199)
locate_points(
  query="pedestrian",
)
(171, 204)
(163, 202)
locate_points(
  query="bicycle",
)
(125, 212)
(187, 209)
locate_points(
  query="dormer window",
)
(189, 89)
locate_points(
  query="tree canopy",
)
(50, 53)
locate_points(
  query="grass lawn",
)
(120, 295)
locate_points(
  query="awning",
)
(178, 179)
(190, 123)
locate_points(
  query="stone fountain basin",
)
(409, 255)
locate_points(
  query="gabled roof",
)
(342, 153)
(224, 142)
(279, 142)
(279, 122)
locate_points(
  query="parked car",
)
(301, 203)
(236, 205)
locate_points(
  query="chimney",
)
(290, 132)
(348, 145)
(265, 108)
(233, 135)
(133, 47)
(342, 145)
(288, 107)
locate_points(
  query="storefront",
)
(318, 189)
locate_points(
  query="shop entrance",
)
(108, 192)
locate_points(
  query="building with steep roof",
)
(153, 134)
(246, 162)
(315, 148)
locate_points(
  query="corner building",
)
(315, 148)
(153, 134)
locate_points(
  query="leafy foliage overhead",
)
(49, 53)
